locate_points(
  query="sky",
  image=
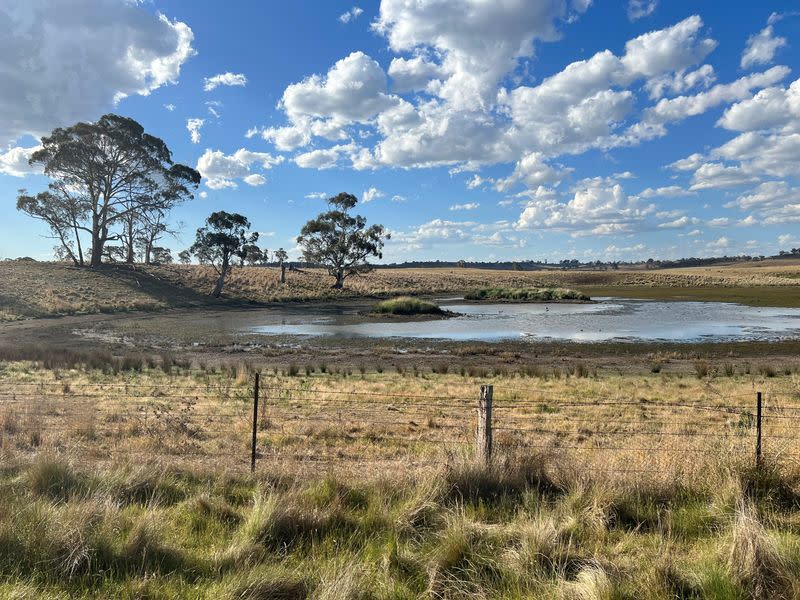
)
(472, 129)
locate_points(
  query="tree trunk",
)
(283, 273)
(129, 249)
(217, 291)
(97, 246)
(339, 280)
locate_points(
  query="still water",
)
(607, 319)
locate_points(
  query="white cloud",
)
(194, 125)
(170, 107)
(690, 163)
(669, 49)
(641, 8)
(326, 158)
(399, 199)
(227, 79)
(220, 170)
(717, 175)
(787, 240)
(478, 41)
(15, 162)
(680, 82)
(770, 108)
(351, 15)
(255, 179)
(465, 206)
(669, 110)
(722, 243)
(354, 90)
(776, 202)
(371, 194)
(598, 207)
(763, 154)
(669, 191)
(761, 48)
(56, 70)
(410, 74)
(316, 195)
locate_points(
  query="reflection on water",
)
(608, 319)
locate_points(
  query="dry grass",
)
(47, 289)
(137, 485)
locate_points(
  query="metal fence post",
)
(758, 430)
(255, 423)
(484, 431)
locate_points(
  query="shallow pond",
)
(607, 319)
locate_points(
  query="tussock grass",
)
(407, 305)
(411, 536)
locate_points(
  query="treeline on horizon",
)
(525, 265)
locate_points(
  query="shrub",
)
(406, 305)
(527, 294)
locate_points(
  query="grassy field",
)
(129, 477)
(47, 289)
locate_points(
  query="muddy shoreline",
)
(220, 335)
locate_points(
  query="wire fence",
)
(289, 423)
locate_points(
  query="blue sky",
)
(474, 129)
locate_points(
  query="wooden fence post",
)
(758, 430)
(255, 423)
(483, 444)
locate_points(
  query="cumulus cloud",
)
(717, 175)
(597, 207)
(478, 41)
(371, 194)
(775, 202)
(351, 15)
(73, 72)
(316, 195)
(761, 48)
(255, 179)
(465, 206)
(411, 74)
(226, 79)
(325, 158)
(14, 162)
(638, 9)
(221, 171)
(194, 125)
(354, 90)
(770, 108)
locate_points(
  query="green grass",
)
(516, 530)
(528, 294)
(407, 305)
(751, 296)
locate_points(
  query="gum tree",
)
(105, 176)
(341, 242)
(225, 236)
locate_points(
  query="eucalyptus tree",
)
(104, 174)
(224, 236)
(342, 242)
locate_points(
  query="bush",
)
(406, 305)
(527, 294)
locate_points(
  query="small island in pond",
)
(501, 294)
(408, 306)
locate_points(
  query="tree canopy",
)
(103, 175)
(341, 242)
(224, 236)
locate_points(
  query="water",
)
(608, 319)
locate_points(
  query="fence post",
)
(255, 423)
(758, 430)
(484, 432)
